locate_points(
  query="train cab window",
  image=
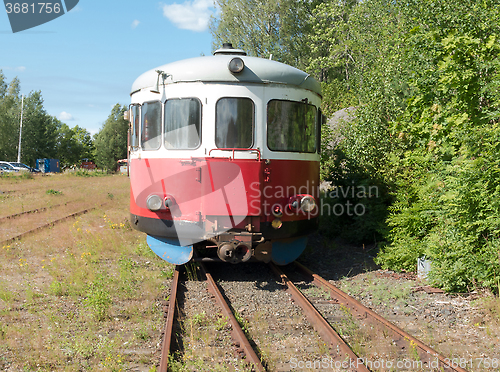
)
(234, 123)
(134, 132)
(182, 123)
(151, 125)
(291, 126)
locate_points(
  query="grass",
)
(53, 192)
(81, 295)
(204, 337)
(17, 176)
(491, 305)
(313, 291)
(381, 290)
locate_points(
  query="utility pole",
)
(20, 131)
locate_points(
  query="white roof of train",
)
(215, 69)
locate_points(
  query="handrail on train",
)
(237, 149)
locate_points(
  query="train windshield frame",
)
(292, 126)
(234, 122)
(135, 122)
(151, 125)
(182, 117)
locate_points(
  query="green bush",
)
(98, 299)
(447, 155)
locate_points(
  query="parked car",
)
(6, 167)
(19, 166)
(23, 166)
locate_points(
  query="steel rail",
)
(167, 337)
(33, 211)
(337, 343)
(236, 331)
(44, 226)
(402, 338)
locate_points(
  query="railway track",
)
(426, 357)
(242, 344)
(32, 211)
(341, 356)
(41, 225)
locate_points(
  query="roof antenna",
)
(164, 75)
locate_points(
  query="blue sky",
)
(85, 61)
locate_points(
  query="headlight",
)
(236, 65)
(307, 204)
(154, 203)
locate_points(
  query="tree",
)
(73, 145)
(446, 161)
(331, 56)
(265, 27)
(68, 148)
(84, 139)
(39, 138)
(10, 110)
(111, 141)
(43, 136)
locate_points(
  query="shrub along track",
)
(336, 354)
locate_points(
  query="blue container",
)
(48, 165)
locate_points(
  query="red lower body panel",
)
(210, 196)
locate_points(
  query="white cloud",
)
(135, 24)
(16, 69)
(64, 116)
(190, 15)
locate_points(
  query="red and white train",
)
(224, 158)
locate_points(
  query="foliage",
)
(367, 63)
(331, 56)
(39, 135)
(98, 299)
(111, 141)
(89, 173)
(10, 104)
(447, 163)
(53, 192)
(17, 175)
(265, 28)
(425, 130)
(43, 136)
(73, 145)
(424, 79)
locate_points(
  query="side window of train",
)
(234, 123)
(151, 125)
(321, 121)
(135, 122)
(182, 123)
(291, 126)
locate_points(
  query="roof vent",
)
(227, 48)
